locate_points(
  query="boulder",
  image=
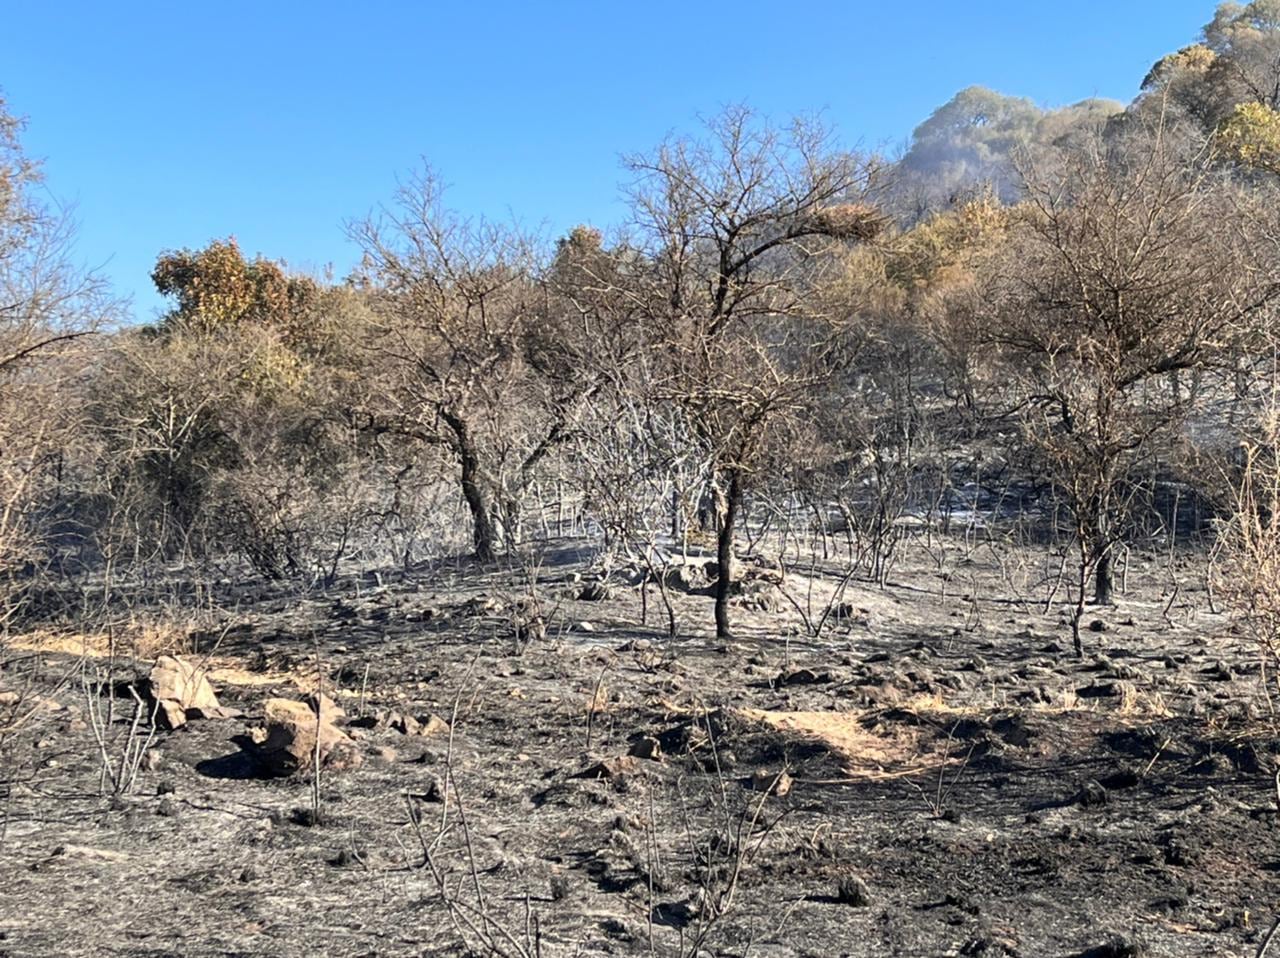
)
(647, 747)
(596, 591)
(287, 742)
(178, 688)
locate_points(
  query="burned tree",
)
(1126, 268)
(47, 305)
(743, 233)
(464, 356)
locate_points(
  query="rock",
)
(611, 768)
(647, 747)
(404, 724)
(432, 725)
(763, 780)
(481, 605)
(329, 710)
(433, 792)
(178, 687)
(1219, 672)
(385, 753)
(1013, 730)
(678, 914)
(287, 742)
(1097, 625)
(422, 725)
(593, 592)
(1099, 690)
(1117, 946)
(215, 712)
(1121, 779)
(852, 890)
(171, 714)
(802, 677)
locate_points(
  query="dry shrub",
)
(1246, 561)
(851, 221)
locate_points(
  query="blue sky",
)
(169, 124)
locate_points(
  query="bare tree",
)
(47, 304)
(465, 351)
(1125, 268)
(743, 233)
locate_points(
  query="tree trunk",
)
(1103, 577)
(724, 554)
(484, 534)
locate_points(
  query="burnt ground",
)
(957, 783)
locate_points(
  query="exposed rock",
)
(691, 578)
(329, 710)
(611, 768)
(1013, 729)
(803, 677)
(481, 605)
(423, 725)
(593, 592)
(181, 691)
(433, 791)
(764, 780)
(287, 742)
(1092, 795)
(1117, 946)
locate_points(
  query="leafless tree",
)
(743, 232)
(47, 305)
(464, 351)
(1126, 267)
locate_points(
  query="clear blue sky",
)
(168, 124)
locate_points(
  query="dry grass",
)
(145, 641)
(141, 640)
(864, 754)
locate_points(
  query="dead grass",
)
(144, 639)
(864, 754)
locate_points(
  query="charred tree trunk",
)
(724, 553)
(484, 534)
(1103, 576)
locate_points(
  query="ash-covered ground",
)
(937, 774)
